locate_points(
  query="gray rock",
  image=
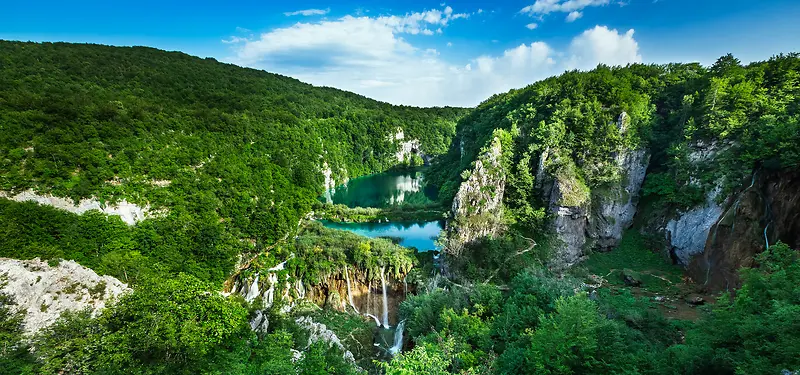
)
(688, 232)
(477, 207)
(43, 292)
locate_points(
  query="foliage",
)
(231, 153)
(755, 331)
(15, 357)
(341, 213)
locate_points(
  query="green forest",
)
(231, 161)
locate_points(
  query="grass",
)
(657, 274)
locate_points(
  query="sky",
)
(423, 53)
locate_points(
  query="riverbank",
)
(340, 213)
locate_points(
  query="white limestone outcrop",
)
(43, 292)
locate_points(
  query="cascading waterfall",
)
(385, 301)
(377, 321)
(398, 338)
(349, 292)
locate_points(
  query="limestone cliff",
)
(349, 290)
(477, 207)
(43, 292)
(585, 218)
(129, 213)
(764, 212)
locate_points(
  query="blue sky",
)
(423, 52)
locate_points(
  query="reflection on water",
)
(383, 190)
(418, 235)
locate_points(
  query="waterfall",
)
(385, 301)
(349, 292)
(398, 338)
(377, 321)
(252, 292)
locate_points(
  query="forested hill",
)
(230, 149)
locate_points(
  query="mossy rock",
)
(631, 278)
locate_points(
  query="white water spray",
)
(398, 338)
(349, 292)
(377, 321)
(385, 301)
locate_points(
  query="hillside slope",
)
(220, 153)
(694, 145)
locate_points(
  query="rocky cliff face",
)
(616, 205)
(477, 207)
(596, 219)
(406, 149)
(766, 211)
(362, 296)
(43, 292)
(687, 233)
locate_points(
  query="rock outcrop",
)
(331, 291)
(407, 149)
(586, 219)
(687, 233)
(319, 332)
(43, 292)
(129, 213)
(764, 212)
(477, 207)
(616, 205)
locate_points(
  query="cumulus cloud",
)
(376, 57)
(531, 26)
(308, 12)
(572, 16)
(603, 45)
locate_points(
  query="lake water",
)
(386, 190)
(418, 235)
(383, 190)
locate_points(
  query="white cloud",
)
(308, 12)
(574, 8)
(371, 56)
(532, 26)
(603, 45)
(449, 44)
(572, 16)
(550, 6)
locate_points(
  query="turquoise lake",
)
(418, 235)
(386, 190)
(383, 190)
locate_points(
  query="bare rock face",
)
(764, 212)
(570, 221)
(596, 219)
(477, 207)
(614, 209)
(406, 149)
(43, 292)
(129, 213)
(688, 232)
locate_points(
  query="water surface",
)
(383, 190)
(418, 235)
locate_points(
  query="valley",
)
(224, 220)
